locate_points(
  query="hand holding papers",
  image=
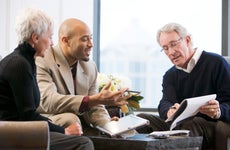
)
(189, 108)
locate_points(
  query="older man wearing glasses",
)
(195, 73)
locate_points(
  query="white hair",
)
(32, 20)
(179, 29)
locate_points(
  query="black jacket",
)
(19, 92)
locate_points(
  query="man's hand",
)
(74, 129)
(109, 98)
(115, 118)
(172, 109)
(211, 109)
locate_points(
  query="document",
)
(189, 108)
(165, 134)
(124, 124)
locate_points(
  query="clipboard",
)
(124, 124)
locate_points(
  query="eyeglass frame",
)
(171, 45)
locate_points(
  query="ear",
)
(65, 40)
(34, 37)
(188, 39)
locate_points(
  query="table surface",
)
(143, 142)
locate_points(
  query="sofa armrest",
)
(24, 135)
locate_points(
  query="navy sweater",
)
(19, 92)
(211, 75)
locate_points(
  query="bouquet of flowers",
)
(117, 83)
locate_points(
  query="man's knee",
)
(144, 115)
(65, 119)
(71, 118)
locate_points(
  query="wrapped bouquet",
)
(117, 83)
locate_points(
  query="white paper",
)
(192, 108)
(165, 134)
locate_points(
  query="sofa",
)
(16, 135)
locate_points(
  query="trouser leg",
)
(65, 119)
(156, 124)
(60, 141)
(222, 135)
(87, 129)
(201, 127)
(197, 126)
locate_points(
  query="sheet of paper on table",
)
(165, 134)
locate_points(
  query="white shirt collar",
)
(192, 62)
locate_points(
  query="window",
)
(128, 38)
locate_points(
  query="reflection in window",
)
(128, 38)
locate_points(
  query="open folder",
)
(189, 108)
(124, 124)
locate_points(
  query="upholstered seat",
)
(227, 58)
(24, 135)
(228, 143)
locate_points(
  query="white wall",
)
(58, 9)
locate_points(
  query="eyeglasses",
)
(171, 45)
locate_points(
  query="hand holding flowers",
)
(108, 97)
(118, 83)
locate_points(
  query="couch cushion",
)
(24, 135)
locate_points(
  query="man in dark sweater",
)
(195, 73)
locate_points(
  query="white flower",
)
(117, 82)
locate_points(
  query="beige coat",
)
(57, 89)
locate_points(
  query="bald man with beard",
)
(65, 97)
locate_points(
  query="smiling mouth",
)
(87, 52)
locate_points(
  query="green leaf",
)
(136, 98)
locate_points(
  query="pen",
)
(138, 92)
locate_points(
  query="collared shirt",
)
(192, 62)
(85, 102)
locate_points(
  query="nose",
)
(170, 51)
(90, 43)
